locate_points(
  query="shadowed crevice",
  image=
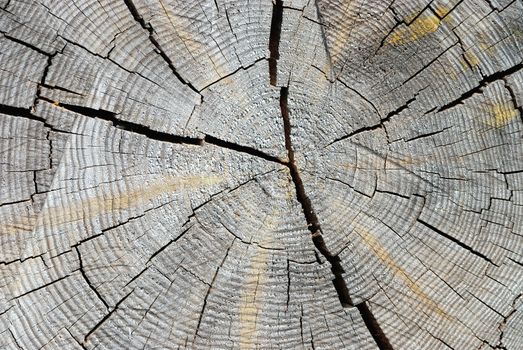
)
(154, 134)
(373, 326)
(274, 40)
(314, 227)
(310, 215)
(147, 26)
(479, 88)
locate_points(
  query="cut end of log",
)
(275, 174)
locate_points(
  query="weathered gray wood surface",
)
(326, 174)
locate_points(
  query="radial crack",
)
(154, 134)
(147, 26)
(316, 233)
(210, 289)
(106, 317)
(274, 40)
(455, 240)
(93, 288)
(479, 88)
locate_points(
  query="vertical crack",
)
(373, 326)
(274, 39)
(310, 215)
(14, 339)
(313, 223)
(91, 286)
(210, 289)
(317, 236)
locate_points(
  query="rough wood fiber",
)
(329, 174)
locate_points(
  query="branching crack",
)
(316, 233)
(106, 317)
(311, 218)
(163, 136)
(147, 26)
(503, 323)
(479, 88)
(82, 271)
(380, 124)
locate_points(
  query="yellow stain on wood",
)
(502, 114)
(338, 43)
(384, 256)
(441, 10)
(251, 302)
(183, 31)
(487, 47)
(101, 204)
(469, 58)
(422, 26)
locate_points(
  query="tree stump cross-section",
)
(328, 174)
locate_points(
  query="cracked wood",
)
(319, 174)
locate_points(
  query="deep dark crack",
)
(482, 84)
(314, 227)
(274, 40)
(151, 133)
(455, 240)
(311, 218)
(147, 26)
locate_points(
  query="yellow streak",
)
(424, 25)
(502, 114)
(471, 58)
(107, 203)
(441, 10)
(381, 253)
(250, 305)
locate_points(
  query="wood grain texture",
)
(328, 174)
